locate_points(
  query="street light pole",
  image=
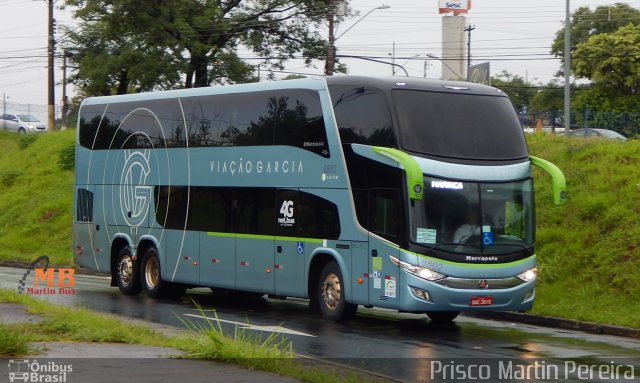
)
(331, 54)
(393, 64)
(445, 64)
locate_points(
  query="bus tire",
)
(331, 299)
(126, 273)
(151, 275)
(442, 316)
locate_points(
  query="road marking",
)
(276, 329)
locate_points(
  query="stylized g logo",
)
(135, 196)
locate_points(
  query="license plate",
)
(481, 301)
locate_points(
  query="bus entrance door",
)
(289, 247)
(289, 266)
(360, 267)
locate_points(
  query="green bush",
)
(67, 156)
(26, 140)
(13, 342)
(8, 177)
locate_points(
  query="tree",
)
(586, 23)
(611, 59)
(612, 62)
(519, 90)
(109, 62)
(122, 46)
(548, 98)
(604, 49)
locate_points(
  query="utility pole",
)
(4, 109)
(331, 52)
(65, 101)
(567, 70)
(51, 86)
(338, 7)
(468, 30)
(393, 59)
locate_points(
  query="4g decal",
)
(286, 210)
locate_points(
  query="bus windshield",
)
(461, 126)
(474, 218)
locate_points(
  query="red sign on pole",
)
(458, 7)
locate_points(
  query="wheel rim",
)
(331, 291)
(125, 270)
(151, 273)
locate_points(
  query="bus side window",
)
(255, 211)
(320, 218)
(210, 209)
(361, 201)
(363, 116)
(384, 213)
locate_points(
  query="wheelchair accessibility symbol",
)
(487, 238)
(300, 247)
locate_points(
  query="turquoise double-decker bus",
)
(408, 194)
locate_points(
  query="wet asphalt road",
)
(402, 346)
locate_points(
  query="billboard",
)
(458, 7)
(480, 73)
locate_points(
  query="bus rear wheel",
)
(152, 283)
(151, 275)
(442, 316)
(331, 299)
(127, 275)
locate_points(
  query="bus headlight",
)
(529, 275)
(418, 271)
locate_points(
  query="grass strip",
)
(202, 340)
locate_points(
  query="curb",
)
(561, 323)
(545, 321)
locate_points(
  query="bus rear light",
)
(420, 294)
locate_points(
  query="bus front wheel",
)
(331, 300)
(127, 275)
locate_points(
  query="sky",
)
(512, 35)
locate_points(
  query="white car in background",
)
(21, 123)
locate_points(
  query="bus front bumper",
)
(466, 295)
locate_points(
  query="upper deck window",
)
(460, 126)
(291, 117)
(362, 114)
